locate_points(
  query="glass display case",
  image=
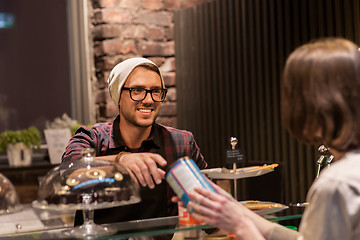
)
(90, 184)
(155, 228)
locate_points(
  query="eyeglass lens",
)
(139, 94)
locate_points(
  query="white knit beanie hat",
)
(121, 72)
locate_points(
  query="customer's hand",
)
(223, 211)
(143, 168)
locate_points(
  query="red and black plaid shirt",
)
(169, 142)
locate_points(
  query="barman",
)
(145, 148)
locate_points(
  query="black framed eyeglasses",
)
(139, 94)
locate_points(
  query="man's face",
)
(140, 113)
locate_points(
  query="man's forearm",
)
(107, 157)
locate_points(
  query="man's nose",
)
(148, 98)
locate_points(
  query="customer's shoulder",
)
(345, 170)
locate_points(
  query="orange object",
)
(272, 166)
(185, 217)
(231, 235)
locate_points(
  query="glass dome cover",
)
(88, 183)
(9, 200)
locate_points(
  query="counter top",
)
(164, 227)
(30, 219)
(52, 224)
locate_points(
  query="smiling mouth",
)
(146, 110)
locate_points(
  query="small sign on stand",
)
(57, 140)
(234, 156)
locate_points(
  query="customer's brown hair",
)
(321, 93)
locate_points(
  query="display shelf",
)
(137, 228)
(239, 173)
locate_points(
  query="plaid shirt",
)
(169, 142)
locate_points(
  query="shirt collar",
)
(153, 141)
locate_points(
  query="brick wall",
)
(122, 29)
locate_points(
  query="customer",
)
(320, 104)
(143, 147)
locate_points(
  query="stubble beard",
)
(132, 120)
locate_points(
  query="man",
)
(146, 149)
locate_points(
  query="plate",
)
(264, 208)
(253, 171)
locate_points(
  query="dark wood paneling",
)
(230, 56)
(26, 179)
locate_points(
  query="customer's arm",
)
(223, 211)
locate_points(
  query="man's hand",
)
(143, 168)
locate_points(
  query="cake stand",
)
(238, 173)
(86, 185)
(9, 200)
